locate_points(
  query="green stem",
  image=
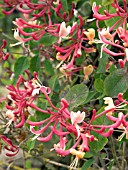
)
(114, 153)
(123, 156)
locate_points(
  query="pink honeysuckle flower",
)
(77, 117)
(10, 148)
(106, 33)
(120, 12)
(98, 16)
(123, 34)
(120, 98)
(63, 32)
(3, 56)
(61, 144)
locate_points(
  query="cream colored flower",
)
(63, 32)
(109, 101)
(106, 34)
(90, 34)
(77, 117)
(79, 155)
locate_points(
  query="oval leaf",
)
(98, 145)
(77, 95)
(99, 85)
(48, 40)
(21, 65)
(35, 64)
(107, 2)
(116, 82)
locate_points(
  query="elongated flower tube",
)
(77, 117)
(10, 148)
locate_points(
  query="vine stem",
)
(123, 155)
(114, 153)
(58, 164)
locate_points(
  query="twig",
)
(57, 163)
(114, 153)
(123, 155)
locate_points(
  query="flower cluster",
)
(74, 44)
(61, 121)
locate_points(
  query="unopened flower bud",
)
(87, 71)
(58, 56)
(121, 63)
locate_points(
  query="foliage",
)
(65, 70)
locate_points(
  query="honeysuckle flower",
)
(10, 115)
(63, 32)
(125, 129)
(75, 12)
(98, 16)
(120, 12)
(3, 55)
(17, 37)
(105, 32)
(77, 117)
(126, 52)
(79, 155)
(90, 33)
(120, 98)
(56, 2)
(123, 34)
(109, 101)
(61, 144)
(87, 71)
(10, 148)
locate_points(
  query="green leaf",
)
(28, 164)
(30, 144)
(84, 8)
(48, 39)
(125, 95)
(48, 67)
(42, 104)
(116, 82)
(54, 83)
(65, 5)
(99, 85)
(91, 96)
(101, 119)
(107, 2)
(20, 65)
(77, 95)
(98, 2)
(102, 63)
(98, 145)
(110, 22)
(35, 64)
(88, 155)
(88, 164)
(55, 87)
(111, 164)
